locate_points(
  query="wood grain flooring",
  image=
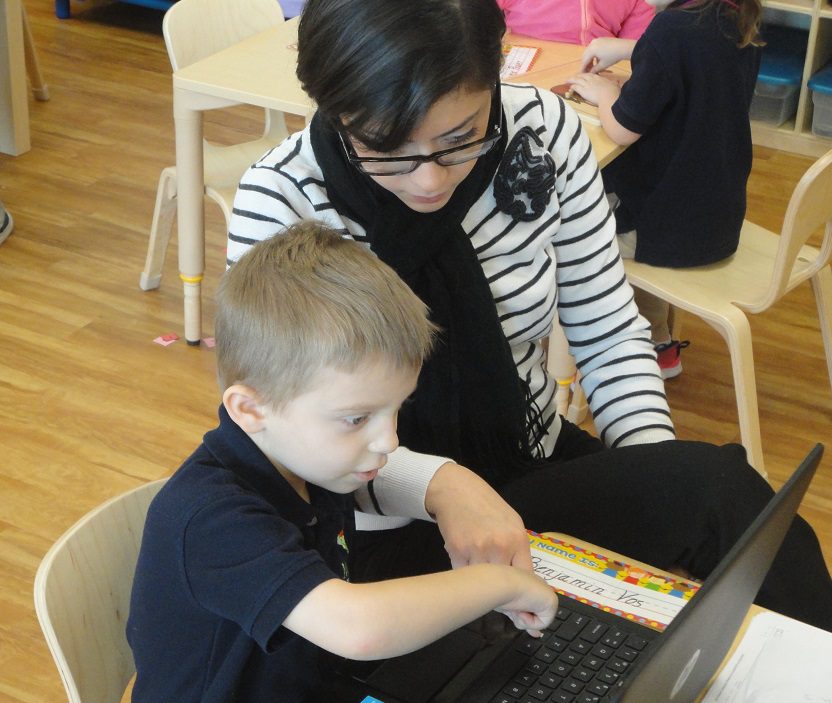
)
(90, 406)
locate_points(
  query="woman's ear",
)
(244, 407)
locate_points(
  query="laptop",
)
(587, 655)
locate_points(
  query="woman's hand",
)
(603, 52)
(478, 526)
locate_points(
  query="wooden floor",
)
(90, 406)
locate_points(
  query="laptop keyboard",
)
(578, 659)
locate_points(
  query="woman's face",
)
(457, 118)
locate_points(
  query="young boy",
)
(243, 574)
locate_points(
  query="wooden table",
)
(261, 71)
(556, 63)
(258, 71)
(14, 98)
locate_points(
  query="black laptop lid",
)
(679, 664)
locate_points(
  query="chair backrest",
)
(82, 597)
(809, 209)
(194, 29)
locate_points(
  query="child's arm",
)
(603, 93)
(389, 618)
(603, 52)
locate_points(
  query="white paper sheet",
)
(779, 660)
(517, 60)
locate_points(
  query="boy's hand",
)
(595, 89)
(478, 526)
(603, 52)
(535, 606)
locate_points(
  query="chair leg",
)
(675, 320)
(163, 215)
(578, 407)
(734, 328)
(560, 365)
(275, 127)
(39, 88)
(569, 398)
(822, 287)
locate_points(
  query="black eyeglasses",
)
(400, 165)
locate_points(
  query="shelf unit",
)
(63, 11)
(796, 135)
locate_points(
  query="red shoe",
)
(669, 356)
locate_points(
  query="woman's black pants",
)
(671, 504)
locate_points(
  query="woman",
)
(487, 200)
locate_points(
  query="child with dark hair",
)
(680, 185)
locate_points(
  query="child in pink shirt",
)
(577, 21)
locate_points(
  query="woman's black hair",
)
(382, 64)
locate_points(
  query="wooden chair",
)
(82, 597)
(764, 268)
(570, 399)
(193, 30)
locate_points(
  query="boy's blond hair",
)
(309, 299)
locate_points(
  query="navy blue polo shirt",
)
(229, 549)
(682, 184)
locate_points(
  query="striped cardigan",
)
(555, 255)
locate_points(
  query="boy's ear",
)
(244, 407)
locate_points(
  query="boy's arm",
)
(390, 618)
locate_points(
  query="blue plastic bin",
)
(781, 70)
(63, 11)
(821, 86)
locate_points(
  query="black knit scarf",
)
(471, 404)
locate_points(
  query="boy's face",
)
(338, 433)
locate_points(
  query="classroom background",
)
(90, 406)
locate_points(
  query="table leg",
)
(39, 87)
(14, 98)
(190, 187)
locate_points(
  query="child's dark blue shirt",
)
(229, 549)
(682, 184)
